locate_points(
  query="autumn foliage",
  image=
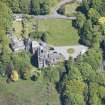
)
(14, 76)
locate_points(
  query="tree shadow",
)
(34, 60)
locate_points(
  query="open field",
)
(27, 92)
(60, 32)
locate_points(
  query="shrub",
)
(14, 76)
(26, 73)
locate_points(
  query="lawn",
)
(18, 28)
(70, 8)
(60, 32)
(70, 50)
(27, 92)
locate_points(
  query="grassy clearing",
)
(70, 8)
(60, 32)
(27, 92)
(17, 25)
(70, 50)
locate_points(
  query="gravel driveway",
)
(78, 49)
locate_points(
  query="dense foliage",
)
(5, 22)
(83, 83)
(29, 6)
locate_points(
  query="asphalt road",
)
(54, 17)
(54, 14)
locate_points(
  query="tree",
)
(35, 73)
(96, 37)
(99, 5)
(5, 16)
(75, 99)
(101, 21)
(24, 6)
(74, 90)
(74, 86)
(96, 4)
(44, 7)
(93, 57)
(74, 72)
(5, 21)
(35, 35)
(35, 7)
(44, 37)
(85, 6)
(26, 73)
(93, 15)
(14, 76)
(85, 70)
(13, 4)
(5, 57)
(93, 92)
(61, 10)
(9, 70)
(79, 22)
(20, 61)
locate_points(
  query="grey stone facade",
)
(47, 57)
(17, 45)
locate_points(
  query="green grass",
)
(27, 92)
(60, 32)
(70, 8)
(70, 50)
(18, 28)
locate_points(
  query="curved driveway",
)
(63, 2)
(53, 14)
(78, 49)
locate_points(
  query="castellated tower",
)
(42, 57)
